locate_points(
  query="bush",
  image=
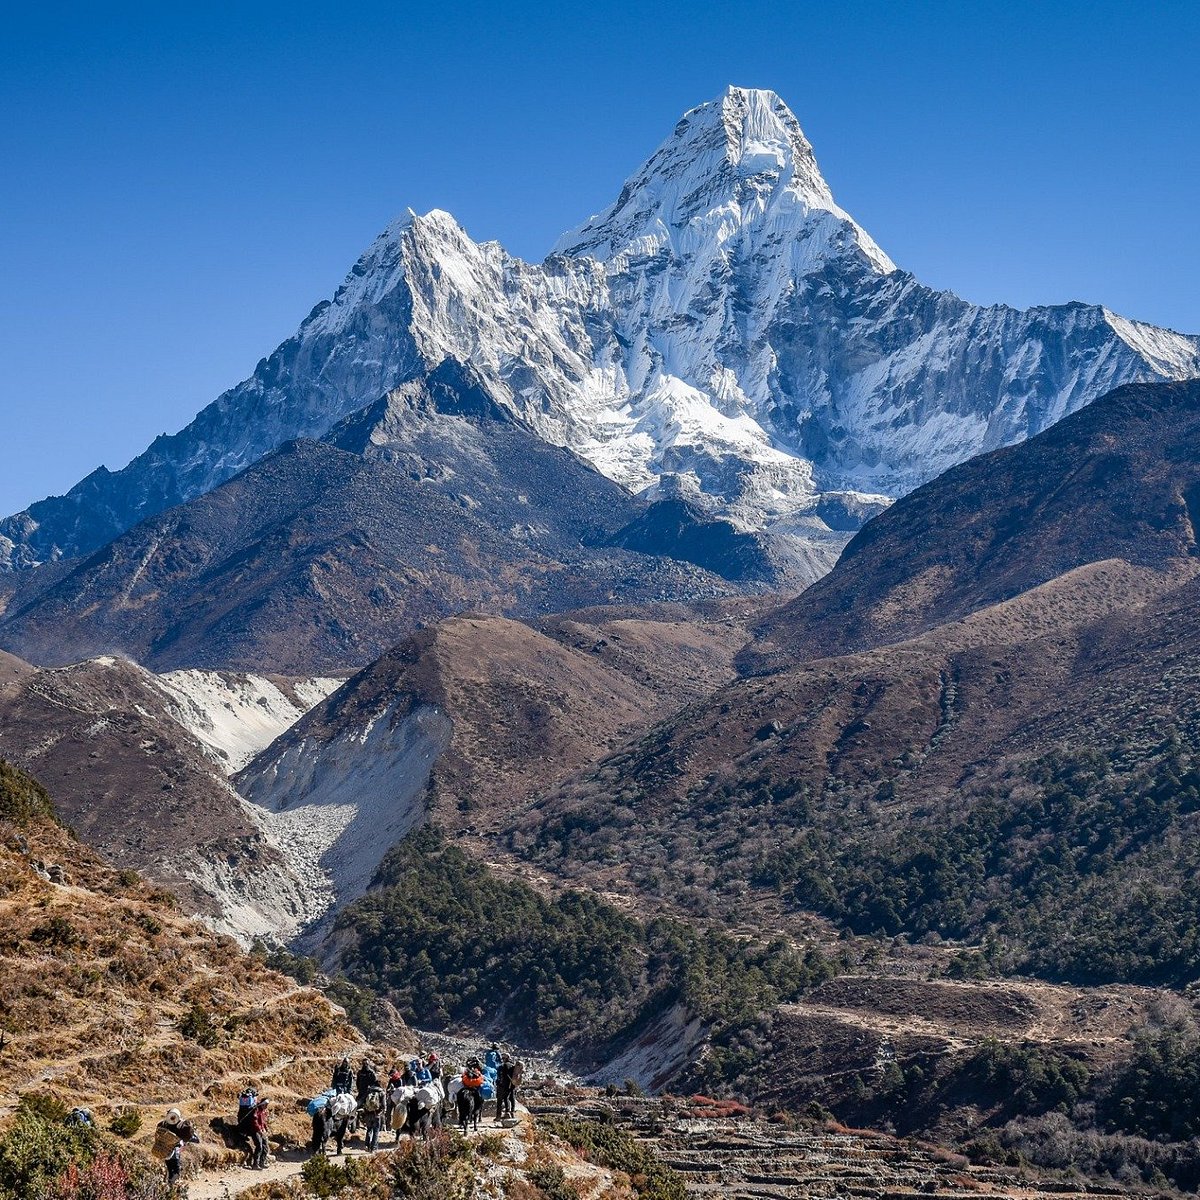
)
(552, 1182)
(151, 924)
(126, 1123)
(324, 1178)
(22, 798)
(45, 1106)
(609, 1146)
(198, 1026)
(57, 931)
(439, 1169)
(35, 1153)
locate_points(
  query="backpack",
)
(246, 1102)
(80, 1116)
(517, 1072)
(374, 1101)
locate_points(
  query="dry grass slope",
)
(110, 999)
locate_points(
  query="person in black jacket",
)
(343, 1076)
(503, 1083)
(366, 1080)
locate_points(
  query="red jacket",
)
(258, 1122)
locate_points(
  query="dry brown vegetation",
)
(111, 1000)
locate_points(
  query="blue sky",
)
(181, 184)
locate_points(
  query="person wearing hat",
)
(174, 1129)
(258, 1136)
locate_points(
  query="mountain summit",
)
(722, 330)
(735, 164)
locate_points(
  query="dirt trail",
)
(226, 1183)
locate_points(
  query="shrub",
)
(199, 1027)
(150, 923)
(438, 1169)
(552, 1182)
(489, 1145)
(56, 931)
(609, 1146)
(324, 1178)
(126, 1123)
(35, 1153)
(45, 1106)
(22, 798)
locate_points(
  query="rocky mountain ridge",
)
(433, 499)
(724, 321)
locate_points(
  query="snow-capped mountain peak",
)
(723, 323)
(735, 164)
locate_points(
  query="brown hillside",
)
(131, 781)
(1119, 479)
(911, 728)
(526, 706)
(12, 668)
(100, 975)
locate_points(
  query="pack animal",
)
(468, 1100)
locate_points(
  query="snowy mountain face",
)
(723, 322)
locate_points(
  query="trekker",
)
(372, 1107)
(260, 1147)
(516, 1072)
(491, 1060)
(246, 1102)
(343, 1076)
(503, 1083)
(364, 1082)
(170, 1137)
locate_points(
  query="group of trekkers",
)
(413, 1098)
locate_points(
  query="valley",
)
(757, 689)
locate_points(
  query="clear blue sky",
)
(180, 185)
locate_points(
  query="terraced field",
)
(746, 1158)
